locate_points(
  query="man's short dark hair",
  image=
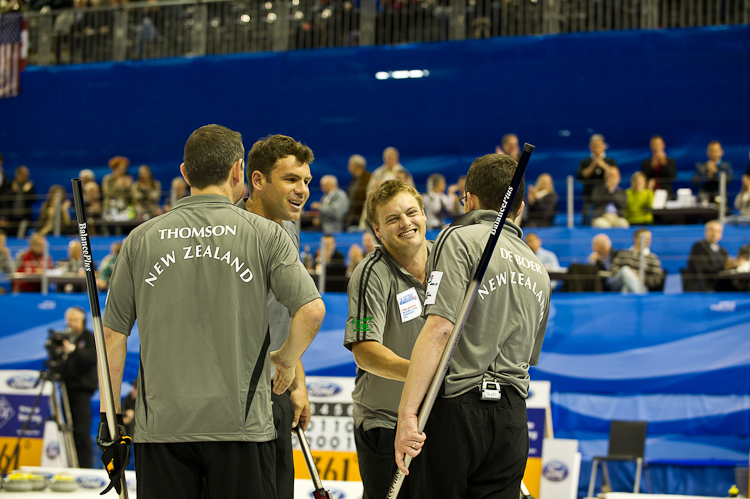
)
(267, 151)
(637, 234)
(489, 178)
(210, 152)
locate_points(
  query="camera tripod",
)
(64, 424)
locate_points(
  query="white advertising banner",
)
(561, 467)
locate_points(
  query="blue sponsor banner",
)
(536, 430)
(19, 410)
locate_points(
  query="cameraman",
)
(78, 371)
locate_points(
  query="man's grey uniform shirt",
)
(279, 318)
(385, 305)
(505, 329)
(197, 279)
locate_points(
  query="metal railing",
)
(149, 30)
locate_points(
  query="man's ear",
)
(238, 170)
(184, 175)
(376, 229)
(520, 209)
(257, 181)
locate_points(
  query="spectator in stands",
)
(548, 258)
(333, 207)
(31, 261)
(609, 202)
(86, 176)
(146, 193)
(541, 202)
(706, 260)
(509, 145)
(355, 256)
(357, 190)
(178, 191)
(4, 191)
(626, 264)
(92, 200)
(335, 264)
(368, 242)
(56, 206)
(639, 201)
(706, 176)
(659, 169)
(116, 185)
(107, 266)
(6, 258)
(437, 204)
(389, 170)
(742, 200)
(22, 195)
(601, 255)
(456, 192)
(743, 267)
(591, 171)
(73, 264)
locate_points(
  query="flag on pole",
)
(13, 45)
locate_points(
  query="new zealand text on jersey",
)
(200, 251)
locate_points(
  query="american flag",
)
(12, 53)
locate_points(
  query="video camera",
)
(54, 346)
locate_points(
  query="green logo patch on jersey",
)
(361, 325)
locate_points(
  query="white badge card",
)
(409, 305)
(433, 283)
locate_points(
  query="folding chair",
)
(627, 442)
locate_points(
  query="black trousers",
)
(377, 462)
(474, 449)
(283, 416)
(214, 470)
(80, 411)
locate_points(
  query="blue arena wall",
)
(680, 362)
(690, 85)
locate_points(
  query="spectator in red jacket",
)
(31, 261)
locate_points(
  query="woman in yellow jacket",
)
(640, 199)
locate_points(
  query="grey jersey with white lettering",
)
(375, 314)
(197, 279)
(505, 329)
(279, 318)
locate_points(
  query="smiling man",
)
(278, 174)
(386, 293)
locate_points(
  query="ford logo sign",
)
(53, 450)
(22, 382)
(555, 471)
(335, 494)
(323, 389)
(91, 482)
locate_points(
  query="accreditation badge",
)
(409, 305)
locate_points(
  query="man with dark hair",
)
(660, 170)
(197, 279)
(386, 292)
(509, 145)
(476, 440)
(706, 176)
(278, 192)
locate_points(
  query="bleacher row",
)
(670, 243)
